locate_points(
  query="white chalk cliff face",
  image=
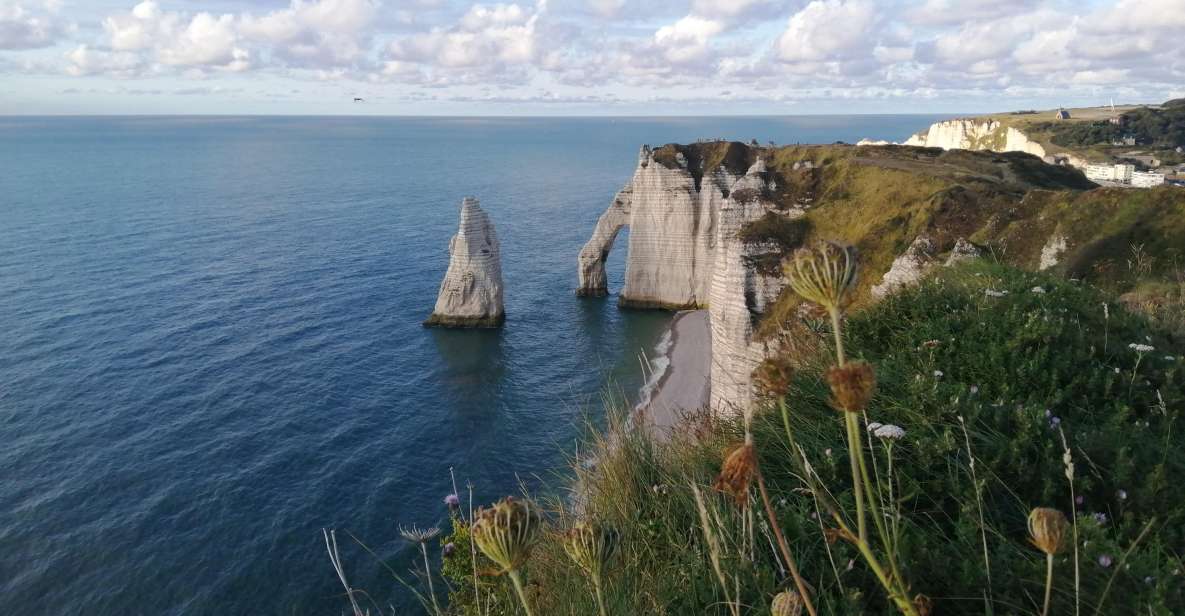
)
(973, 134)
(684, 252)
(672, 225)
(471, 292)
(739, 295)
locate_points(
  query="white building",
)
(1141, 179)
(1110, 173)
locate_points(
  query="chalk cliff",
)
(739, 295)
(670, 205)
(710, 225)
(471, 292)
(985, 134)
(683, 213)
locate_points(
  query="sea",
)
(211, 345)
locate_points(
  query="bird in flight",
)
(358, 100)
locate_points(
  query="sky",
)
(585, 57)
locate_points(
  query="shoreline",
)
(684, 385)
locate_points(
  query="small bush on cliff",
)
(986, 369)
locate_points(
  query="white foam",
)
(657, 366)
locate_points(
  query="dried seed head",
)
(786, 603)
(824, 275)
(773, 377)
(740, 466)
(419, 535)
(923, 605)
(852, 385)
(507, 532)
(1047, 528)
(592, 546)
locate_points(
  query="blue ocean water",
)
(210, 342)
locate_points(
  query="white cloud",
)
(687, 49)
(28, 28)
(828, 30)
(87, 61)
(487, 40)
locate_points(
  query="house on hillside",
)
(1062, 114)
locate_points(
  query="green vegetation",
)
(782, 234)
(1162, 127)
(1011, 205)
(986, 376)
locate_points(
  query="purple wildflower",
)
(452, 500)
(1105, 560)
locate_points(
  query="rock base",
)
(455, 322)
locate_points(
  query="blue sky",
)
(584, 57)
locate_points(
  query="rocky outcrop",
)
(986, 134)
(738, 296)
(684, 252)
(908, 268)
(1051, 253)
(471, 292)
(918, 261)
(671, 208)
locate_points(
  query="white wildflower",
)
(974, 389)
(874, 425)
(938, 374)
(890, 431)
(1141, 348)
(995, 293)
(1038, 289)
(1170, 358)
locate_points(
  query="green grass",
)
(1007, 366)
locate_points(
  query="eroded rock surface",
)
(471, 292)
(671, 210)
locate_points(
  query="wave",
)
(655, 367)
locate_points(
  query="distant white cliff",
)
(984, 134)
(471, 292)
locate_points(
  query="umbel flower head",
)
(419, 535)
(823, 275)
(507, 532)
(1047, 528)
(592, 546)
(740, 466)
(852, 385)
(786, 603)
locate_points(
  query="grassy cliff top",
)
(1011, 205)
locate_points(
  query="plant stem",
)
(1119, 565)
(784, 547)
(517, 580)
(838, 332)
(1048, 582)
(854, 462)
(600, 597)
(428, 572)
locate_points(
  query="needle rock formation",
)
(471, 292)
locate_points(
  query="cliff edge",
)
(711, 224)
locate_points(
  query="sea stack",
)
(471, 292)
